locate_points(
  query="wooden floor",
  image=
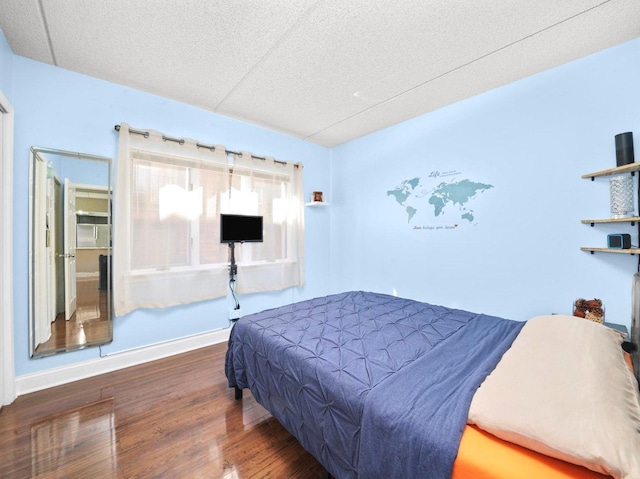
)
(173, 418)
(89, 325)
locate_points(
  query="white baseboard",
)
(29, 383)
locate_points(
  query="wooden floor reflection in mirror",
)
(90, 323)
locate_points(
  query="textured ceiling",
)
(326, 71)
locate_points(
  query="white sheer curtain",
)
(272, 189)
(168, 198)
(166, 248)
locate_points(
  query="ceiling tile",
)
(346, 57)
(193, 51)
(24, 28)
(530, 56)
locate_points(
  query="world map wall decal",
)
(445, 197)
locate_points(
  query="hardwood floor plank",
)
(173, 418)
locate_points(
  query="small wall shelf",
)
(611, 250)
(317, 204)
(631, 219)
(619, 170)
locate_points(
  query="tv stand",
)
(233, 267)
(233, 271)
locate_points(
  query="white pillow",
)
(564, 389)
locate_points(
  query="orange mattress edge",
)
(484, 456)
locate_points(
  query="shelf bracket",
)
(593, 178)
(592, 225)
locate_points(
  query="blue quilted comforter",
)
(372, 385)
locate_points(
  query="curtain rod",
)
(180, 141)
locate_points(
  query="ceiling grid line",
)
(47, 32)
(279, 42)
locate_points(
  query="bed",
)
(376, 386)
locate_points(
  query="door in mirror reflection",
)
(70, 251)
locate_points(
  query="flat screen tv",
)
(240, 229)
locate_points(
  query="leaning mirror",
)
(70, 304)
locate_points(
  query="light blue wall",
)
(6, 67)
(59, 109)
(531, 140)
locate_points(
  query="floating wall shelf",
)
(611, 250)
(632, 220)
(619, 170)
(317, 204)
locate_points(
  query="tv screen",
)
(240, 228)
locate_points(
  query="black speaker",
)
(624, 148)
(619, 241)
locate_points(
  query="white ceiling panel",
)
(23, 25)
(534, 54)
(365, 58)
(193, 51)
(326, 70)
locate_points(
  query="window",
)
(273, 190)
(168, 200)
(174, 212)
